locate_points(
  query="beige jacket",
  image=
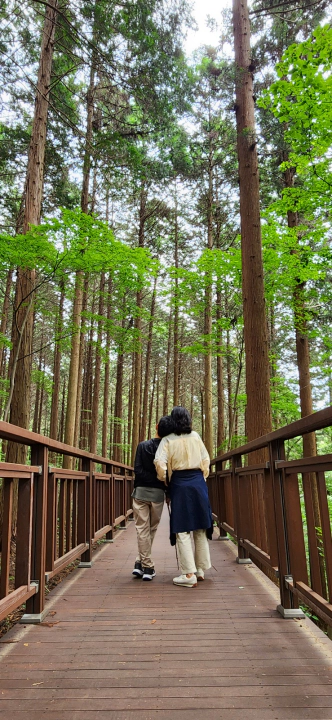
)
(181, 452)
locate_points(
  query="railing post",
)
(109, 504)
(240, 507)
(220, 493)
(87, 466)
(287, 607)
(35, 606)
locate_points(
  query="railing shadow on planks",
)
(59, 514)
(270, 509)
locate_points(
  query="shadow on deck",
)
(117, 648)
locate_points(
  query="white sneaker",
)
(185, 581)
(200, 574)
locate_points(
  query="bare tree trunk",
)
(87, 385)
(4, 317)
(96, 387)
(62, 415)
(138, 326)
(147, 364)
(259, 419)
(157, 399)
(130, 407)
(107, 369)
(169, 343)
(220, 378)
(82, 347)
(57, 368)
(176, 311)
(38, 388)
(208, 436)
(152, 400)
(69, 431)
(118, 408)
(31, 209)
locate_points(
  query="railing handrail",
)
(317, 421)
(27, 437)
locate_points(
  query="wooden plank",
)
(125, 649)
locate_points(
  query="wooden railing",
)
(271, 509)
(60, 513)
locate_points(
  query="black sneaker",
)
(148, 573)
(138, 570)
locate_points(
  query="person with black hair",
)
(183, 456)
(148, 499)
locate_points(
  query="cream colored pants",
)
(147, 517)
(188, 563)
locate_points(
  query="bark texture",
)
(259, 419)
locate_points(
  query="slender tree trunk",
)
(87, 384)
(138, 326)
(130, 407)
(169, 344)
(31, 210)
(69, 430)
(57, 368)
(107, 368)
(4, 317)
(229, 381)
(41, 399)
(157, 399)
(259, 419)
(62, 415)
(303, 364)
(148, 364)
(96, 386)
(208, 437)
(74, 370)
(176, 311)
(220, 377)
(118, 409)
(38, 389)
(82, 348)
(152, 400)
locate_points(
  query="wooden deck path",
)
(121, 649)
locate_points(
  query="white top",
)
(181, 452)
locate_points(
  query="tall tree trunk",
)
(259, 419)
(220, 376)
(69, 430)
(25, 283)
(107, 368)
(74, 370)
(157, 398)
(176, 383)
(62, 414)
(118, 408)
(96, 386)
(169, 344)
(152, 400)
(4, 317)
(148, 364)
(303, 364)
(82, 347)
(38, 389)
(130, 406)
(208, 436)
(138, 326)
(57, 368)
(87, 384)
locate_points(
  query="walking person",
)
(183, 455)
(148, 499)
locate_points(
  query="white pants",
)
(147, 517)
(188, 563)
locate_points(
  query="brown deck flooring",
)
(122, 649)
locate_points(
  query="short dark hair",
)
(182, 420)
(165, 426)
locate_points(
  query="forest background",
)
(122, 291)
